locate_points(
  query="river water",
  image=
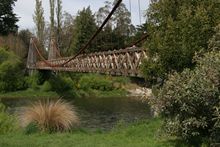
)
(98, 113)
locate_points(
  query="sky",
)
(25, 9)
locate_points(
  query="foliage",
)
(190, 100)
(180, 28)
(50, 116)
(67, 32)
(7, 17)
(214, 42)
(52, 21)
(96, 82)
(64, 86)
(152, 69)
(84, 28)
(32, 81)
(46, 87)
(39, 22)
(59, 20)
(11, 76)
(15, 44)
(7, 122)
(118, 30)
(25, 36)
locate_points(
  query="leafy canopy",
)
(7, 17)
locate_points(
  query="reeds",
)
(50, 116)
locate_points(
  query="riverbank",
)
(30, 93)
(141, 134)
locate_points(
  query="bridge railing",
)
(118, 62)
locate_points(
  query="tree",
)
(105, 38)
(59, 20)
(39, 22)
(52, 21)
(7, 17)
(11, 76)
(25, 36)
(178, 29)
(102, 14)
(123, 27)
(214, 42)
(84, 28)
(118, 31)
(67, 32)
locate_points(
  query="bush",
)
(50, 116)
(64, 86)
(33, 81)
(46, 87)
(96, 82)
(7, 122)
(11, 76)
(152, 70)
(190, 101)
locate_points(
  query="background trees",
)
(178, 29)
(11, 75)
(7, 17)
(39, 22)
(85, 27)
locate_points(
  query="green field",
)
(141, 134)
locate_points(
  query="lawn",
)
(141, 134)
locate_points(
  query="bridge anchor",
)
(32, 59)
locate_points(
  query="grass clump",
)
(49, 116)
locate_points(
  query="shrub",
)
(46, 87)
(96, 82)
(190, 100)
(64, 86)
(152, 70)
(7, 122)
(11, 76)
(32, 81)
(50, 116)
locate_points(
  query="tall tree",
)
(123, 27)
(52, 20)
(39, 21)
(180, 28)
(105, 38)
(7, 17)
(67, 32)
(84, 28)
(102, 14)
(59, 19)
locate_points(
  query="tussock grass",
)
(56, 116)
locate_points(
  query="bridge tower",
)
(53, 51)
(32, 58)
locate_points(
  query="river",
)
(98, 113)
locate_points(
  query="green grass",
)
(142, 134)
(102, 94)
(29, 93)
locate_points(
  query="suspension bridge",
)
(124, 62)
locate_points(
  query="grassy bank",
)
(29, 94)
(52, 94)
(142, 134)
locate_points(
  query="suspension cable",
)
(96, 33)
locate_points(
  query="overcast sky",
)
(25, 9)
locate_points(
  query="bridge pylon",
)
(53, 51)
(32, 58)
